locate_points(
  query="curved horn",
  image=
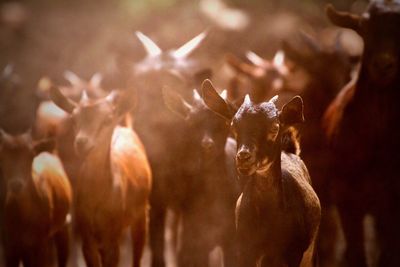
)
(151, 48)
(189, 47)
(247, 69)
(255, 59)
(343, 19)
(72, 78)
(196, 95)
(274, 99)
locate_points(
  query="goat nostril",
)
(207, 145)
(81, 141)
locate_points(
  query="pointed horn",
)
(224, 94)
(196, 95)
(84, 97)
(242, 67)
(72, 78)
(247, 100)
(186, 49)
(255, 59)
(274, 99)
(96, 79)
(343, 19)
(151, 48)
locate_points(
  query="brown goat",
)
(365, 144)
(49, 117)
(114, 181)
(278, 213)
(38, 199)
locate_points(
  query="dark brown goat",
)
(278, 213)
(37, 201)
(209, 212)
(366, 143)
(327, 70)
(163, 134)
(114, 181)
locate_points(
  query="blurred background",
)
(44, 38)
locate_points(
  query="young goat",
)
(278, 213)
(114, 182)
(37, 200)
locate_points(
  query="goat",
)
(364, 144)
(163, 133)
(114, 181)
(326, 70)
(278, 212)
(37, 200)
(209, 212)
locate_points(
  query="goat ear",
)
(61, 101)
(214, 101)
(292, 112)
(343, 19)
(176, 103)
(44, 145)
(122, 101)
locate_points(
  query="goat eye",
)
(275, 127)
(273, 132)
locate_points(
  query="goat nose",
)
(81, 141)
(81, 144)
(207, 143)
(244, 155)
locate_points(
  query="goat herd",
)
(226, 162)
